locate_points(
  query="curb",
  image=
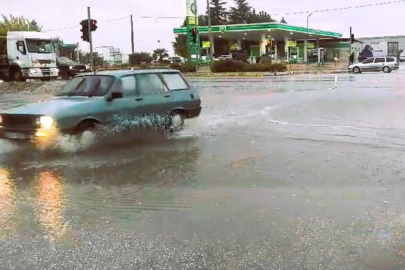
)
(259, 74)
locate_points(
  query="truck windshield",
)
(92, 85)
(39, 46)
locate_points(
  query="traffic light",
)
(93, 25)
(194, 33)
(85, 30)
(351, 38)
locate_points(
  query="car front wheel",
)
(386, 70)
(176, 121)
(356, 70)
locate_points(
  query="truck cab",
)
(27, 55)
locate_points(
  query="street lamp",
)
(306, 43)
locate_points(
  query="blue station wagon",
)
(93, 99)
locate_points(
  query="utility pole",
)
(90, 40)
(350, 40)
(209, 30)
(306, 43)
(77, 53)
(132, 35)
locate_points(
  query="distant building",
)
(381, 46)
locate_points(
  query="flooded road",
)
(277, 173)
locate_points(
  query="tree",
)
(180, 46)
(240, 13)
(139, 58)
(283, 20)
(159, 54)
(12, 23)
(260, 17)
(98, 59)
(202, 20)
(218, 12)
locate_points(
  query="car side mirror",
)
(115, 95)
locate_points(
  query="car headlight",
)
(45, 122)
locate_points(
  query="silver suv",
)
(385, 64)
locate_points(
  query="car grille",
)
(11, 120)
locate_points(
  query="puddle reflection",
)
(8, 206)
(50, 204)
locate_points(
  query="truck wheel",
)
(16, 75)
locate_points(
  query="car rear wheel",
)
(356, 70)
(386, 70)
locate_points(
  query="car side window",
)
(390, 59)
(379, 60)
(128, 86)
(149, 84)
(174, 81)
(368, 61)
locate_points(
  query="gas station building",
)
(278, 40)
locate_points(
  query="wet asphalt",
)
(292, 172)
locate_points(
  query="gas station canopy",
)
(276, 31)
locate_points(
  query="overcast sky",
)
(53, 14)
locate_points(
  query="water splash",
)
(120, 130)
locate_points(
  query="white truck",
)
(27, 55)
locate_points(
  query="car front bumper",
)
(26, 134)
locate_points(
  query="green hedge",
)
(230, 65)
(184, 67)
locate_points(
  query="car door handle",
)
(167, 95)
(139, 98)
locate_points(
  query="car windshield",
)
(92, 85)
(39, 46)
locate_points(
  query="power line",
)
(342, 8)
(73, 27)
(279, 14)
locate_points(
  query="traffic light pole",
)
(196, 27)
(90, 40)
(209, 31)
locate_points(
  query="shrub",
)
(242, 57)
(229, 65)
(265, 60)
(184, 67)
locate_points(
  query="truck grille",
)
(44, 61)
(12, 120)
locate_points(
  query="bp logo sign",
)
(193, 8)
(222, 28)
